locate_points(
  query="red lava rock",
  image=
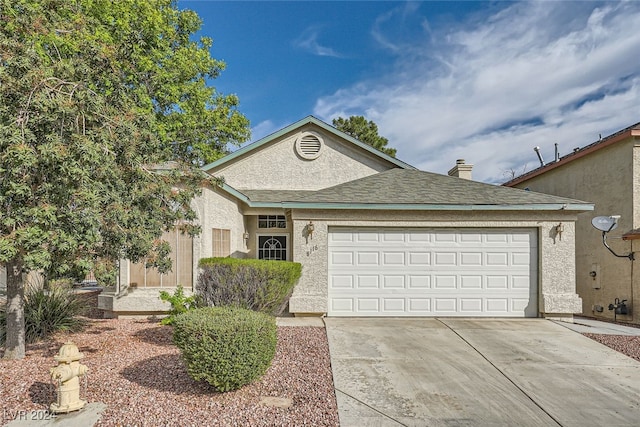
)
(135, 369)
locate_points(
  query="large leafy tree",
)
(105, 117)
(365, 131)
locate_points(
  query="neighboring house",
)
(606, 172)
(375, 236)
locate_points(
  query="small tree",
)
(364, 131)
(105, 116)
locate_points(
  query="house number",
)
(311, 249)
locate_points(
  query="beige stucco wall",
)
(556, 274)
(216, 209)
(605, 177)
(277, 166)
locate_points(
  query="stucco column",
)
(311, 293)
(558, 297)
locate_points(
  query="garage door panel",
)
(419, 258)
(368, 258)
(368, 282)
(445, 258)
(391, 305)
(419, 305)
(393, 282)
(523, 238)
(499, 282)
(493, 259)
(471, 238)
(342, 258)
(470, 259)
(419, 237)
(393, 259)
(341, 281)
(497, 305)
(520, 282)
(419, 282)
(342, 305)
(367, 237)
(368, 305)
(421, 272)
(392, 237)
(445, 305)
(444, 237)
(341, 237)
(520, 259)
(444, 282)
(470, 282)
(496, 238)
(471, 305)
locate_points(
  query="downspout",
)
(633, 313)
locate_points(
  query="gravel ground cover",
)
(625, 344)
(135, 369)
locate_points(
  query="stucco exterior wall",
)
(556, 270)
(277, 166)
(605, 177)
(216, 209)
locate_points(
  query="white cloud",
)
(496, 86)
(308, 41)
(264, 128)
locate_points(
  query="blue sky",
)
(483, 81)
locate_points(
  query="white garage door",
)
(433, 272)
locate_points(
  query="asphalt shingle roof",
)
(402, 186)
(275, 196)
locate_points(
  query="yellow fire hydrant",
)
(67, 375)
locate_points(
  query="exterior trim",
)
(425, 207)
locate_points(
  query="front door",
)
(273, 247)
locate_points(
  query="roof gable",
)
(292, 127)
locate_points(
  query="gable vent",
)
(309, 145)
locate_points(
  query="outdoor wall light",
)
(245, 235)
(310, 229)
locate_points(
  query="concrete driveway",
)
(478, 372)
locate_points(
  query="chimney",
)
(461, 170)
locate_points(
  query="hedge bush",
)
(258, 285)
(228, 347)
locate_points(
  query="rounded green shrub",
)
(228, 347)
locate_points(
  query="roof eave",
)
(441, 207)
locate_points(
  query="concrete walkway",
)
(478, 372)
(592, 326)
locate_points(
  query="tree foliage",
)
(364, 131)
(105, 116)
